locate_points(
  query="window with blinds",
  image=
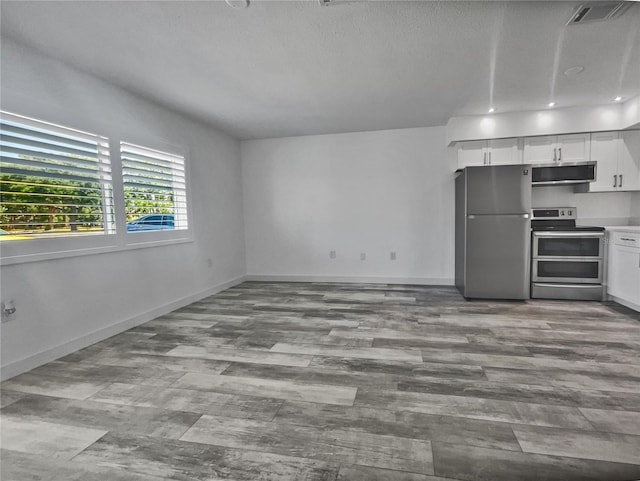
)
(155, 189)
(53, 180)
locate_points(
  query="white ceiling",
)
(293, 68)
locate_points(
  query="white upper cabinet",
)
(618, 161)
(574, 147)
(472, 153)
(539, 150)
(503, 152)
(557, 148)
(605, 149)
(629, 160)
(488, 152)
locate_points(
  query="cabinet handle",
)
(484, 159)
(620, 181)
(490, 159)
(615, 181)
(559, 154)
(554, 154)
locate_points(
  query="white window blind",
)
(53, 180)
(155, 189)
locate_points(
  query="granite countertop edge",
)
(623, 228)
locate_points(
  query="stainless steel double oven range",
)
(567, 261)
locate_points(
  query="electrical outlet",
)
(7, 311)
(210, 263)
(332, 254)
(393, 255)
(363, 256)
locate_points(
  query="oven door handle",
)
(573, 286)
(568, 234)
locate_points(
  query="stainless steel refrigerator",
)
(493, 231)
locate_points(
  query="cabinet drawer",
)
(630, 239)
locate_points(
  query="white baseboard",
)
(424, 281)
(56, 352)
(629, 304)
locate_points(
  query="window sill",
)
(148, 240)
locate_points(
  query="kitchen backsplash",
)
(606, 208)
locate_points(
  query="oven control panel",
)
(554, 213)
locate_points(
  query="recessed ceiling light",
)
(552, 104)
(574, 70)
(492, 110)
(237, 3)
(617, 99)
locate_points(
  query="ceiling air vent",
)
(597, 11)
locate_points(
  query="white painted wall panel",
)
(65, 304)
(371, 192)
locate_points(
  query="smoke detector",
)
(598, 11)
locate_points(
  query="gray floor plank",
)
(475, 408)
(143, 421)
(410, 355)
(337, 445)
(620, 448)
(53, 440)
(220, 354)
(412, 425)
(58, 387)
(29, 467)
(294, 391)
(624, 422)
(470, 463)
(366, 473)
(181, 460)
(188, 400)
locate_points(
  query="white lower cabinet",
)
(623, 272)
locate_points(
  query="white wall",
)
(594, 208)
(372, 192)
(65, 304)
(635, 209)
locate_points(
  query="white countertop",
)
(623, 228)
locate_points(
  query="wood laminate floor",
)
(348, 382)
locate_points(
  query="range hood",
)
(564, 173)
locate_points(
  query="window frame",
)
(17, 251)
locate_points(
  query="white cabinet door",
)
(503, 152)
(605, 150)
(472, 153)
(539, 150)
(573, 148)
(629, 161)
(624, 273)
